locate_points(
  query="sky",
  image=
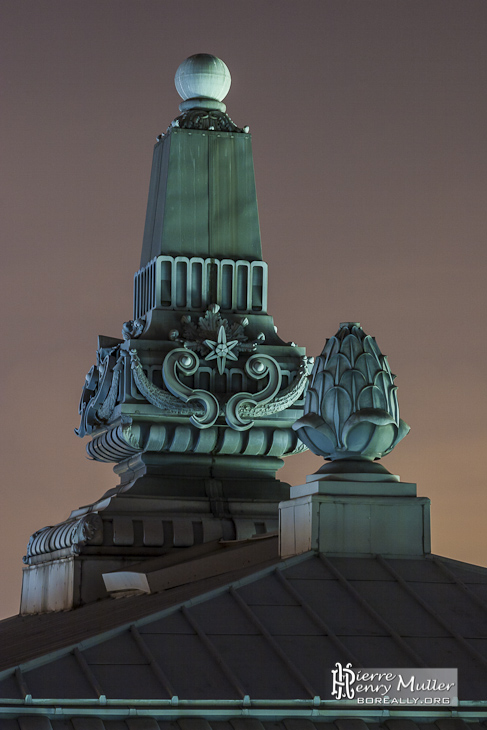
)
(368, 122)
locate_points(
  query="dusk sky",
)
(369, 125)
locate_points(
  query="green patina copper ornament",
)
(351, 409)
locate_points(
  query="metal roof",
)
(149, 723)
(23, 638)
(269, 635)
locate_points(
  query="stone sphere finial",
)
(202, 81)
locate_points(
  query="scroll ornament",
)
(351, 409)
(211, 338)
(203, 407)
(100, 391)
(73, 534)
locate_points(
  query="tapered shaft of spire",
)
(202, 199)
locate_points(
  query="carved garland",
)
(158, 397)
(288, 396)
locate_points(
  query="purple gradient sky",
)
(369, 122)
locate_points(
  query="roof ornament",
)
(351, 412)
(203, 81)
(203, 407)
(213, 336)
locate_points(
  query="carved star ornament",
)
(221, 350)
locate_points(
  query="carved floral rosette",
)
(351, 408)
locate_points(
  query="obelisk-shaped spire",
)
(202, 199)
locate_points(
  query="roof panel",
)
(285, 620)
(447, 652)
(9, 724)
(112, 725)
(129, 681)
(222, 616)
(454, 606)
(337, 607)
(258, 667)
(34, 723)
(9, 687)
(173, 623)
(360, 568)
(480, 590)
(379, 651)
(166, 725)
(350, 724)
(189, 666)
(480, 645)
(304, 724)
(193, 723)
(266, 592)
(64, 679)
(221, 725)
(142, 723)
(400, 725)
(452, 723)
(314, 656)
(120, 649)
(420, 570)
(466, 572)
(87, 723)
(399, 609)
(312, 567)
(243, 723)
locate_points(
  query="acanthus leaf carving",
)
(105, 411)
(85, 530)
(98, 385)
(133, 328)
(351, 408)
(206, 119)
(214, 337)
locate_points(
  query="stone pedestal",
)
(353, 514)
(152, 515)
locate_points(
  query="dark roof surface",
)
(274, 634)
(22, 638)
(200, 723)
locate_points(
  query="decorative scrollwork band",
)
(203, 408)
